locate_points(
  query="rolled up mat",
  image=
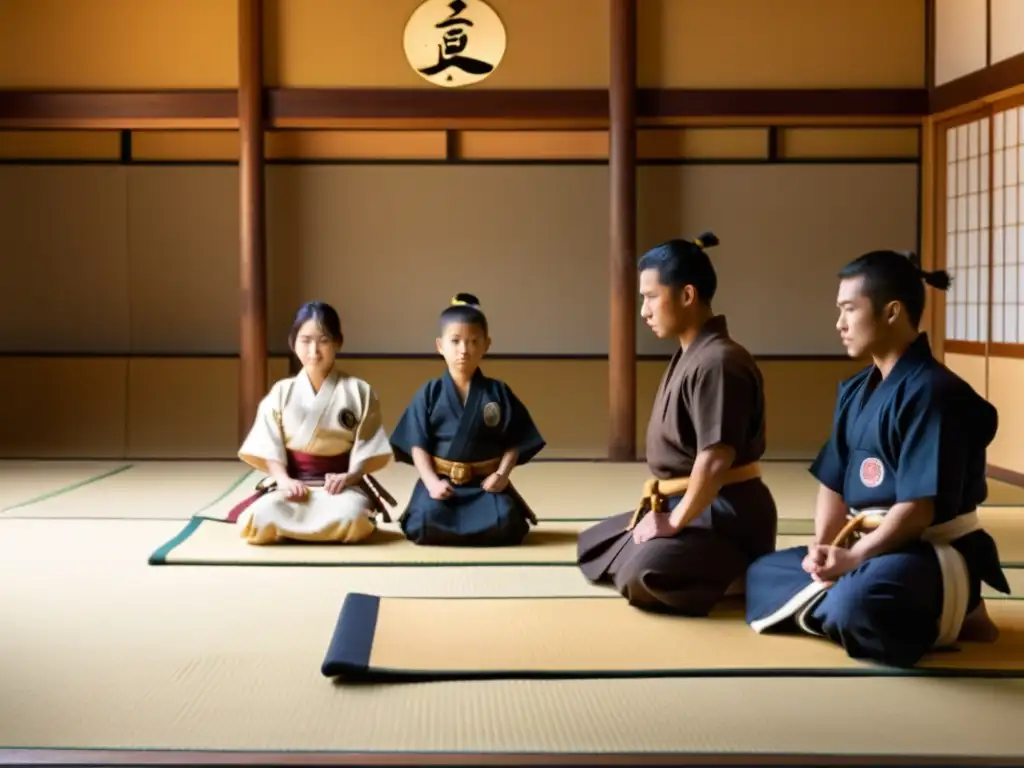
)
(411, 639)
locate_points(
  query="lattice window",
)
(1008, 227)
(967, 237)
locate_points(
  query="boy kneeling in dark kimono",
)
(705, 514)
(898, 556)
(464, 433)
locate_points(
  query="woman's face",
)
(315, 348)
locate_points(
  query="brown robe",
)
(712, 392)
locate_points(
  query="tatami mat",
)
(103, 651)
(107, 652)
(466, 639)
(153, 490)
(28, 482)
(585, 490)
(209, 542)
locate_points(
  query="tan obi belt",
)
(461, 473)
(656, 490)
(862, 522)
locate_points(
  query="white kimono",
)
(343, 417)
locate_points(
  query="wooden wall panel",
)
(118, 44)
(183, 252)
(849, 142)
(185, 407)
(781, 44)
(533, 145)
(1007, 29)
(356, 145)
(60, 145)
(337, 43)
(127, 44)
(64, 265)
(63, 407)
(1004, 380)
(703, 144)
(185, 146)
(960, 38)
(145, 258)
(182, 408)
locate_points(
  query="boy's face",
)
(463, 346)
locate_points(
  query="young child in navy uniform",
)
(465, 432)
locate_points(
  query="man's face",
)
(664, 309)
(860, 328)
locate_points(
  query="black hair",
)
(323, 314)
(895, 276)
(682, 262)
(464, 308)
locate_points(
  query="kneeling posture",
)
(318, 436)
(464, 432)
(706, 514)
(901, 477)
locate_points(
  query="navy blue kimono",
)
(920, 433)
(492, 422)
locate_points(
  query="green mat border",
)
(248, 472)
(68, 488)
(160, 555)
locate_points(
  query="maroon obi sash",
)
(311, 470)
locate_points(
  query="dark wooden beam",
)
(854, 102)
(773, 153)
(622, 101)
(44, 107)
(252, 370)
(63, 109)
(988, 33)
(1002, 75)
(139, 757)
(302, 103)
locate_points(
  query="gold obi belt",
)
(656, 491)
(857, 525)
(461, 473)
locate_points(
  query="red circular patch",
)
(871, 472)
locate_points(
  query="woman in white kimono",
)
(318, 435)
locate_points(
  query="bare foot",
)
(978, 627)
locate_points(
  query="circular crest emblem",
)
(492, 414)
(348, 419)
(452, 43)
(871, 472)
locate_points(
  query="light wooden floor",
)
(101, 651)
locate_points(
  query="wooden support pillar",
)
(622, 263)
(253, 273)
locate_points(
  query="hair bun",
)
(706, 240)
(467, 299)
(939, 279)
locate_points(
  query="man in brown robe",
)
(705, 515)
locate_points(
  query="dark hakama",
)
(920, 433)
(711, 393)
(492, 422)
